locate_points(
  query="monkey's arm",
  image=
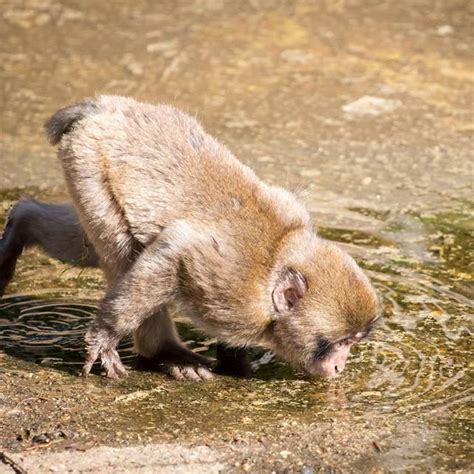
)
(141, 295)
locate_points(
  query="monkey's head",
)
(322, 305)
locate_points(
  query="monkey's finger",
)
(86, 369)
(92, 356)
(111, 374)
(120, 370)
(205, 373)
(175, 372)
(109, 368)
(117, 365)
(189, 373)
(112, 364)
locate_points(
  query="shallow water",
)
(418, 359)
(395, 190)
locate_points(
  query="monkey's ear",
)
(290, 288)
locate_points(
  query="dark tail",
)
(63, 120)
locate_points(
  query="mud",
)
(290, 87)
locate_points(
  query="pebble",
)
(370, 394)
(444, 30)
(69, 14)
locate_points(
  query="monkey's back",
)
(158, 166)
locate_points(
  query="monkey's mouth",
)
(324, 368)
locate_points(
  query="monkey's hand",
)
(101, 344)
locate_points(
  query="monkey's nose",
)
(334, 368)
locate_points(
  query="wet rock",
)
(369, 105)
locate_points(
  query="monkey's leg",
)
(158, 346)
(55, 228)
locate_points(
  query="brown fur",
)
(176, 218)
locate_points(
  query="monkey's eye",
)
(323, 348)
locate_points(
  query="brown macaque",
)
(173, 218)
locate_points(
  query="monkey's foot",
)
(100, 346)
(194, 374)
(180, 363)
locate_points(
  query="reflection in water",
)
(49, 332)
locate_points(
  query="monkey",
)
(174, 218)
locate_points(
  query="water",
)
(395, 190)
(418, 359)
